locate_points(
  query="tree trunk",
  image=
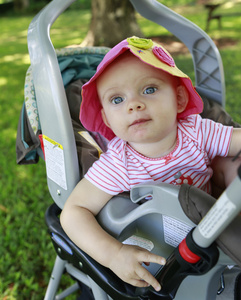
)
(111, 22)
(21, 5)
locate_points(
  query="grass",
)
(26, 253)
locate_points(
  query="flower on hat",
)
(140, 43)
(163, 56)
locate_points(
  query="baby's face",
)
(139, 101)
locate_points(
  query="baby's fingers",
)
(149, 257)
(146, 279)
(156, 259)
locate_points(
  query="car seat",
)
(159, 224)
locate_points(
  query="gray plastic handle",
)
(52, 103)
(222, 213)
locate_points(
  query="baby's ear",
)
(104, 117)
(182, 98)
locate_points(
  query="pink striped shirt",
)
(198, 142)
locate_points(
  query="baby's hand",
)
(127, 264)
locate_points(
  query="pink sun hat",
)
(148, 52)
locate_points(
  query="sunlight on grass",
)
(149, 28)
(9, 133)
(21, 35)
(74, 31)
(20, 58)
(22, 173)
(237, 77)
(228, 5)
(3, 81)
(228, 24)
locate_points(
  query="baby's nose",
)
(135, 106)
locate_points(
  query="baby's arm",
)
(235, 145)
(78, 221)
(225, 168)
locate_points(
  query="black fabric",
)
(27, 142)
(237, 288)
(214, 111)
(87, 153)
(73, 94)
(230, 287)
(86, 292)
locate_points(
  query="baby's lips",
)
(139, 121)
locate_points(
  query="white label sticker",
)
(174, 230)
(217, 215)
(139, 241)
(54, 158)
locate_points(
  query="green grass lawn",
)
(26, 253)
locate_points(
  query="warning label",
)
(139, 241)
(54, 157)
(216, 216)
(174, 230)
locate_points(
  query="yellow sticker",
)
(52, 142)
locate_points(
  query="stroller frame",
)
(50, 93)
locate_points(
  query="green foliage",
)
(232, 65)
(26, 253)
(36, 5)
(173, 3)
(82, 4)
(5, 1)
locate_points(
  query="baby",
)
(148, 109)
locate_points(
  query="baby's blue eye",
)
(117, 100)
(150, 90)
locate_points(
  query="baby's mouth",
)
(140, 121)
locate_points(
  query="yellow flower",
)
(140, 43)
